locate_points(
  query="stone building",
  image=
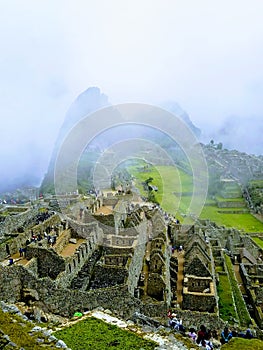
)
(122, 260)
(199, 291)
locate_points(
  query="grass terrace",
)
(231, 217)
(174, 187)
(175, 193)
(95, 334)
(243, 314)
(258, 241)
(19, 332)
(243, 344)
(226, 307)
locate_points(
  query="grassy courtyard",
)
(225, 217)
(94, 334)
(174, 195)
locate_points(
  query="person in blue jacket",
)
(226, 335)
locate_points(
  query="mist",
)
(205, 56)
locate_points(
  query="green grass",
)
(243, 344)
(243, 314)
(174, 187)
(259, 241)
(257, 183)
(222, 199)
(241, 221)
(94, 334)
(224, 290)
(18, 331)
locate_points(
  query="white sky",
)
(207, 55)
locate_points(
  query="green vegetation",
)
(18, 331)
(240, 220)
(222, 199)
(174, 186)
(243, 314)
(174, 195)
(94, 334)
(255, 189)
(259, 241)
(243, 344)
(224, 290)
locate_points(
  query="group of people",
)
(201, 338)
(227, 334)
(205, 337)
(50, 237)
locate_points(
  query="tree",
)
(220, 145)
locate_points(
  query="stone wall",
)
(75, 262)
(122, 241)
(87, 230)
(49, 264)
(198, 284)
(14, 279)
(104, 276)
(136, 263)
(110, 201)
(199, 301)
(33, 266)
(117, 260)
(18, 240)
(158, 309)
(156, 286)
(14, 222)
(63, 241)
(251, 246)
(10, 283)
(195, 319)
(233, 204)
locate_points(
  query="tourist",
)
(169, 314)
(206, 344)
(226, 335)
(11, 261)
(51, 241)
(201, 335)
(176, 324)
(20, 251)
(192, 335)
(248, 334)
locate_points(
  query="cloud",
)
(205, 55)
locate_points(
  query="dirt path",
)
(18, 259)
(70, 248)
(104, 210)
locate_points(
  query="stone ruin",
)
(123, 255)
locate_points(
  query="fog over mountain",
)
(206, 57)
(244, 135)
(235, 133)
